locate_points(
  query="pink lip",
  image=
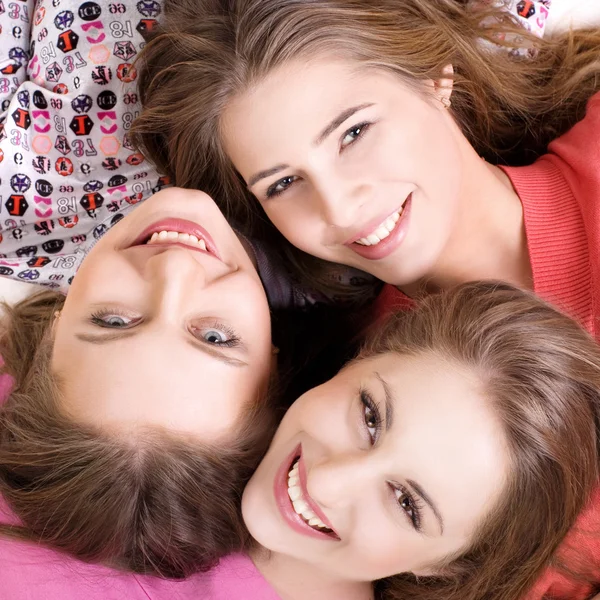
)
(390, 243)
(181, 226)
(284, 503)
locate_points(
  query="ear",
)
(55, 319)
(443, 86)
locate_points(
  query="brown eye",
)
(370, 420)
(409, 504)
(371, 416)
(406, 503)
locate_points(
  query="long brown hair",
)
(148, 502)
(209, 51)
(541, 374)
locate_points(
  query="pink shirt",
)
(31, 572)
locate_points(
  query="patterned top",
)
(68, 97)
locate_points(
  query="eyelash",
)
(272, 190)
(98, 319)
(416, 504)
(370, 404)
(232, 342)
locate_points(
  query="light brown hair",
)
(209, 51)
(148, 501)
(541, 374)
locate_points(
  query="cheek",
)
(325, 415)
(101, 271)
(295, 217)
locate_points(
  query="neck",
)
(294, 579)
(488, 239)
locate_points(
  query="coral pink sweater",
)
(560, 193)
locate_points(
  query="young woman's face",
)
(399, 457)
(172, 332)
(350, 165)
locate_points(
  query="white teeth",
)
(300, 505)
(294, 492)
(175, 236)
(382, 231)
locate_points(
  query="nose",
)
(173, 274)
(341, 200)
(339, 481)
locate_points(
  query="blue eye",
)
(280, 186)
(217, 335)
(113, 320)
(212, 336)
(352, 134)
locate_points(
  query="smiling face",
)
(169, 329)
(391, 466)
(350, 165)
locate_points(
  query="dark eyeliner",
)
(272, 191)
(368, 402)
(415, 518)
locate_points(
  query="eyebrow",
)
(389, 417)
(107, 338)
(325, 133)
(337, 121)
(421, 492)
(389, 402)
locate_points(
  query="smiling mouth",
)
(178, 232)
(176, 237)
(383, 230)
(299, 503)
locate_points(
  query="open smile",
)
(381, 240)
(178, 232)
(298, 509)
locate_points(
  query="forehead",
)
(445, 435)
(299, 97)
(154, 382)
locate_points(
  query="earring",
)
(57, 314)
(446, 102)
(274, 350)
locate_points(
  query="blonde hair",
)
(541, 374)
(207, 52)
(149, 503)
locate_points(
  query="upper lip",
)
(311, 503)
(373, 224)
(181, 226)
